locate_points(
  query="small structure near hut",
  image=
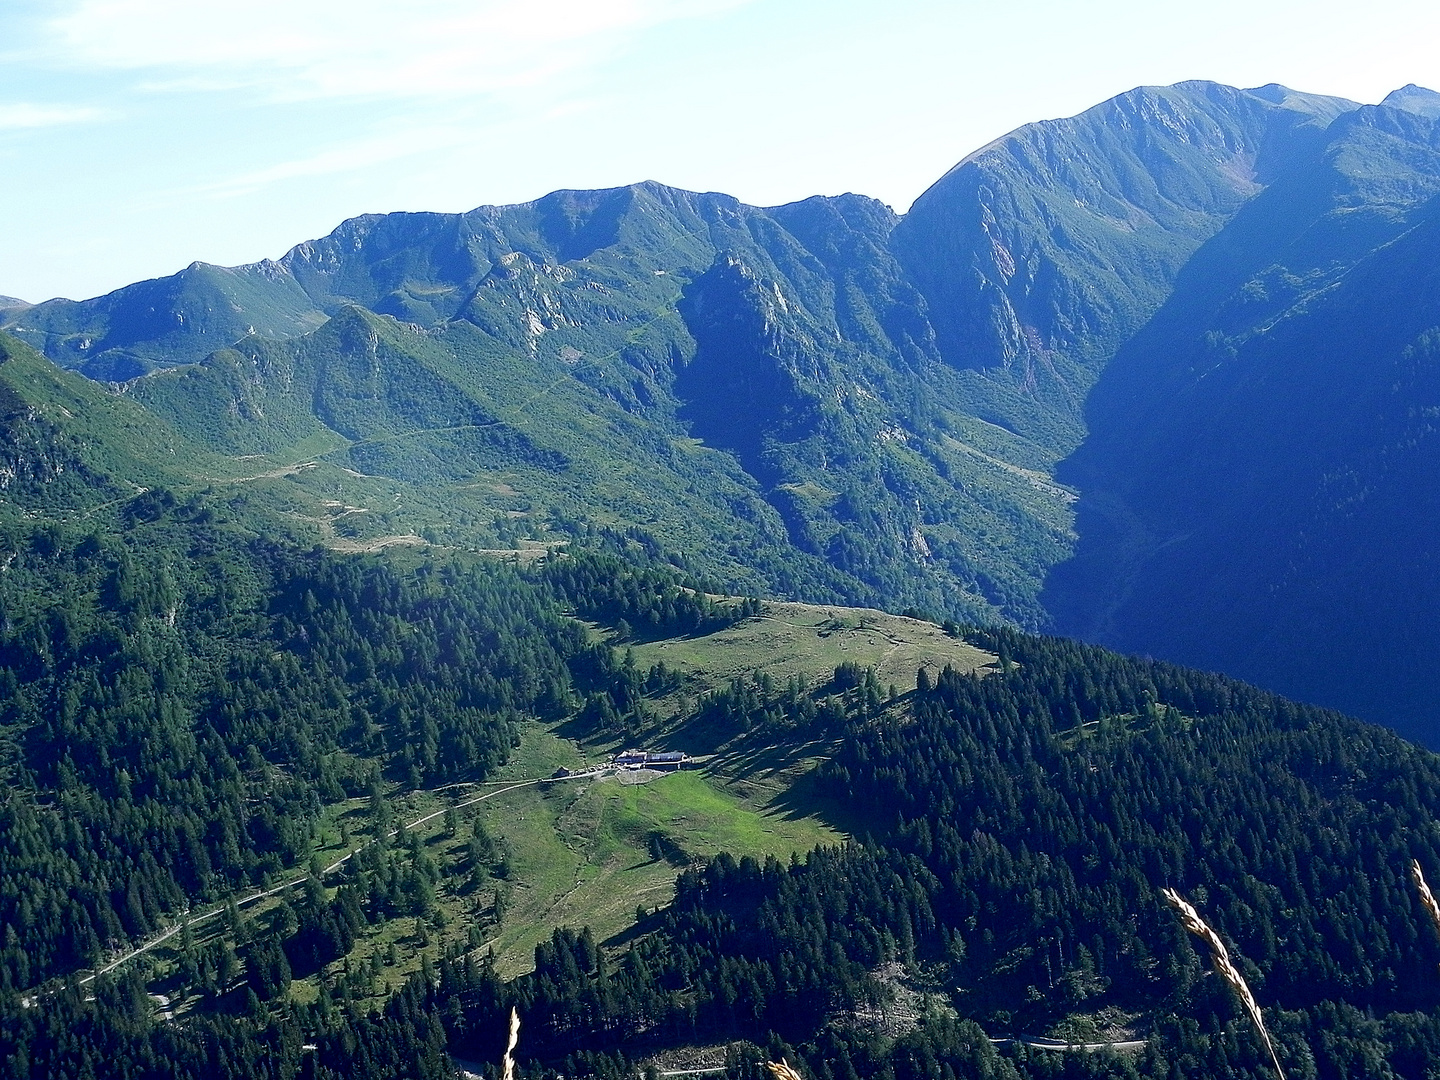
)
(645, 759)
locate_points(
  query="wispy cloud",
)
(295, 49)
(344, 157)
(27, 115)
(466, 132)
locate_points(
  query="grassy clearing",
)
(811, 641)
(1125, 724)
(772, 768)
(581, 852)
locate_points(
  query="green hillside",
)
(72, 445)
(460, 427)
(1016, 829)
(803, 400)
(810, 641)
(1040, 254)
(166, 321)
(171, 655)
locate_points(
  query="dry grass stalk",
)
(509, 1073)
(1220, 958)
(1426, 896)
(782, 1070)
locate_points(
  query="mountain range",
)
(1156, 375)
(334, 588)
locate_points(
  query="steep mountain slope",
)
(1414, 99)
(1260, 474)
(575, 349)
(826, 401)
(1041, 253)
(70, 446)
(889, 396)
(165, 321)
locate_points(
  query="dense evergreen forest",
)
(183, 713)
(643, 601)
(1019, 827)
(1024, 825)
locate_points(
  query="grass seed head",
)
(782, 1070)
(1426, 896)
(1220, 960)
(509, 1071)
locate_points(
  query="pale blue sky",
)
(139, 135)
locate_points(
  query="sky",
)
(137, 136)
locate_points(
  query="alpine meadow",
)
(803, 641)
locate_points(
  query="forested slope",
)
(182, 688)
(184, 702)
(1022, 825)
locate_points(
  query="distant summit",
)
(1318, 104)
(1414, 99)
